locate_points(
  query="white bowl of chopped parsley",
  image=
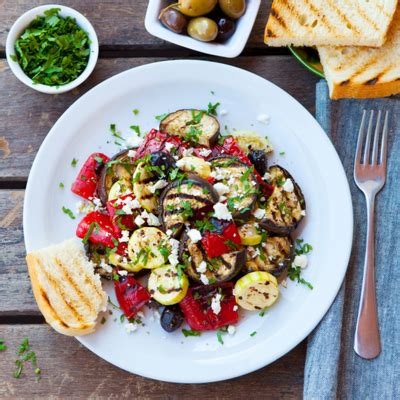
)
(52, 48)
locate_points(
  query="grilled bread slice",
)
(329, 22)
(364, 72)
(67, 291)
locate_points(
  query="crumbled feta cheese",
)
(202, 267)
(152, 219)
(129, 204)
(205, 152)
(303, 213)
(168, 232)
(204, 279)
(131, 153)
(217, 175)
(221, 212)
(223, 112)
(194, 235)
(220, 188)
(134, 141)
(173, 259)
(139, 221)
(140, 314)
(124, 237)
(259, 213)
(173, 256)
(122, 273)
(187, 152)
(84, 207)
(263, 118)
(174, 244)
(169, 146)
(231, 329)
(301, 261)
(267, 177)
(105, 266)
(130, 327)
(262, 198)
(222, 198)
(235, 307)
(158, 185)
(216, 303)
(288, 186)
(97, 204)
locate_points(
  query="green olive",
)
(233, 8)
(204, 29)
(195, 8)
(173, 20)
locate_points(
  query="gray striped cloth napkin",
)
(333, 370)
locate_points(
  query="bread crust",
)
(45, 307)
(363, 91)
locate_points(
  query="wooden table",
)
(68, 369)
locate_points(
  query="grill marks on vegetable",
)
(284, 209)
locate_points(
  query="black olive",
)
(173, 20)
(226, 28)
(164, 161)
(171, 318)
(260, 161)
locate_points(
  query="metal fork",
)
(370, 176)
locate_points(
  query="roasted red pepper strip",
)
(86, 182)
(119, 220)
(196, 307)
(97, 227)
(156, 141)
(216, 244)
(131, 295)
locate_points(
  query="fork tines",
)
(375, 138)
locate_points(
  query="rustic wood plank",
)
(27, 115)
(124, 23)
(71, 371)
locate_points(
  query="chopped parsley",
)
(294, 272)
(160, 117)
(282, 153)
(187, 210)
(135, 111)
(52, 50)
(115, 133)
(212, 108)
(136, 128)
(190, 332)
(193, 134)
(220, 332)
(98, 159)
(26, 354)
(68, 212)
(61, 185)
(3, 345)
(253, 333)
(88, 233)
(74, 162)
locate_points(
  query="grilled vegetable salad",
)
(203, 216)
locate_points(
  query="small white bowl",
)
(22, 23)
(231, 48)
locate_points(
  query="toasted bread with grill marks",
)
(66, 289)
(360, 72)
(329, 22)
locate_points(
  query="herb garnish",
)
(61, 185)
(190, 332)
(25, 354)
(74, 162)
(52, 50)
(253, 333)
(220, 332)
(136, 128)
(160, 117)
(212, 108)
(294, 272)
(68, 212)
(3, 345)
(135, 111)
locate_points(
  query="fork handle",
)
(367, 343)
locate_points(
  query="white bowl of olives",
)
(217, 27)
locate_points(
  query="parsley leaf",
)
(68, 212)
(190, 332)
(135, 111)
(74, 162)
(212, 108)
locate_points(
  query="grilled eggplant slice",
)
(286, 206)
(96, 254)
(241, 182)
(218, 269)
(182, 200)
(193, 125)
(274, 255)
(119, 168)
(142, 177)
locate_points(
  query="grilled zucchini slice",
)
(274, 255)
(181, 200)
(120, 188)
(168, 286)
(248, 141)
(148, 248)
(193, 125)
(216, 270)
(142, 177)
(256, 290)
(241, 182)
(249, 234)
(286, 206)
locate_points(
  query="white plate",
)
(155, 89)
